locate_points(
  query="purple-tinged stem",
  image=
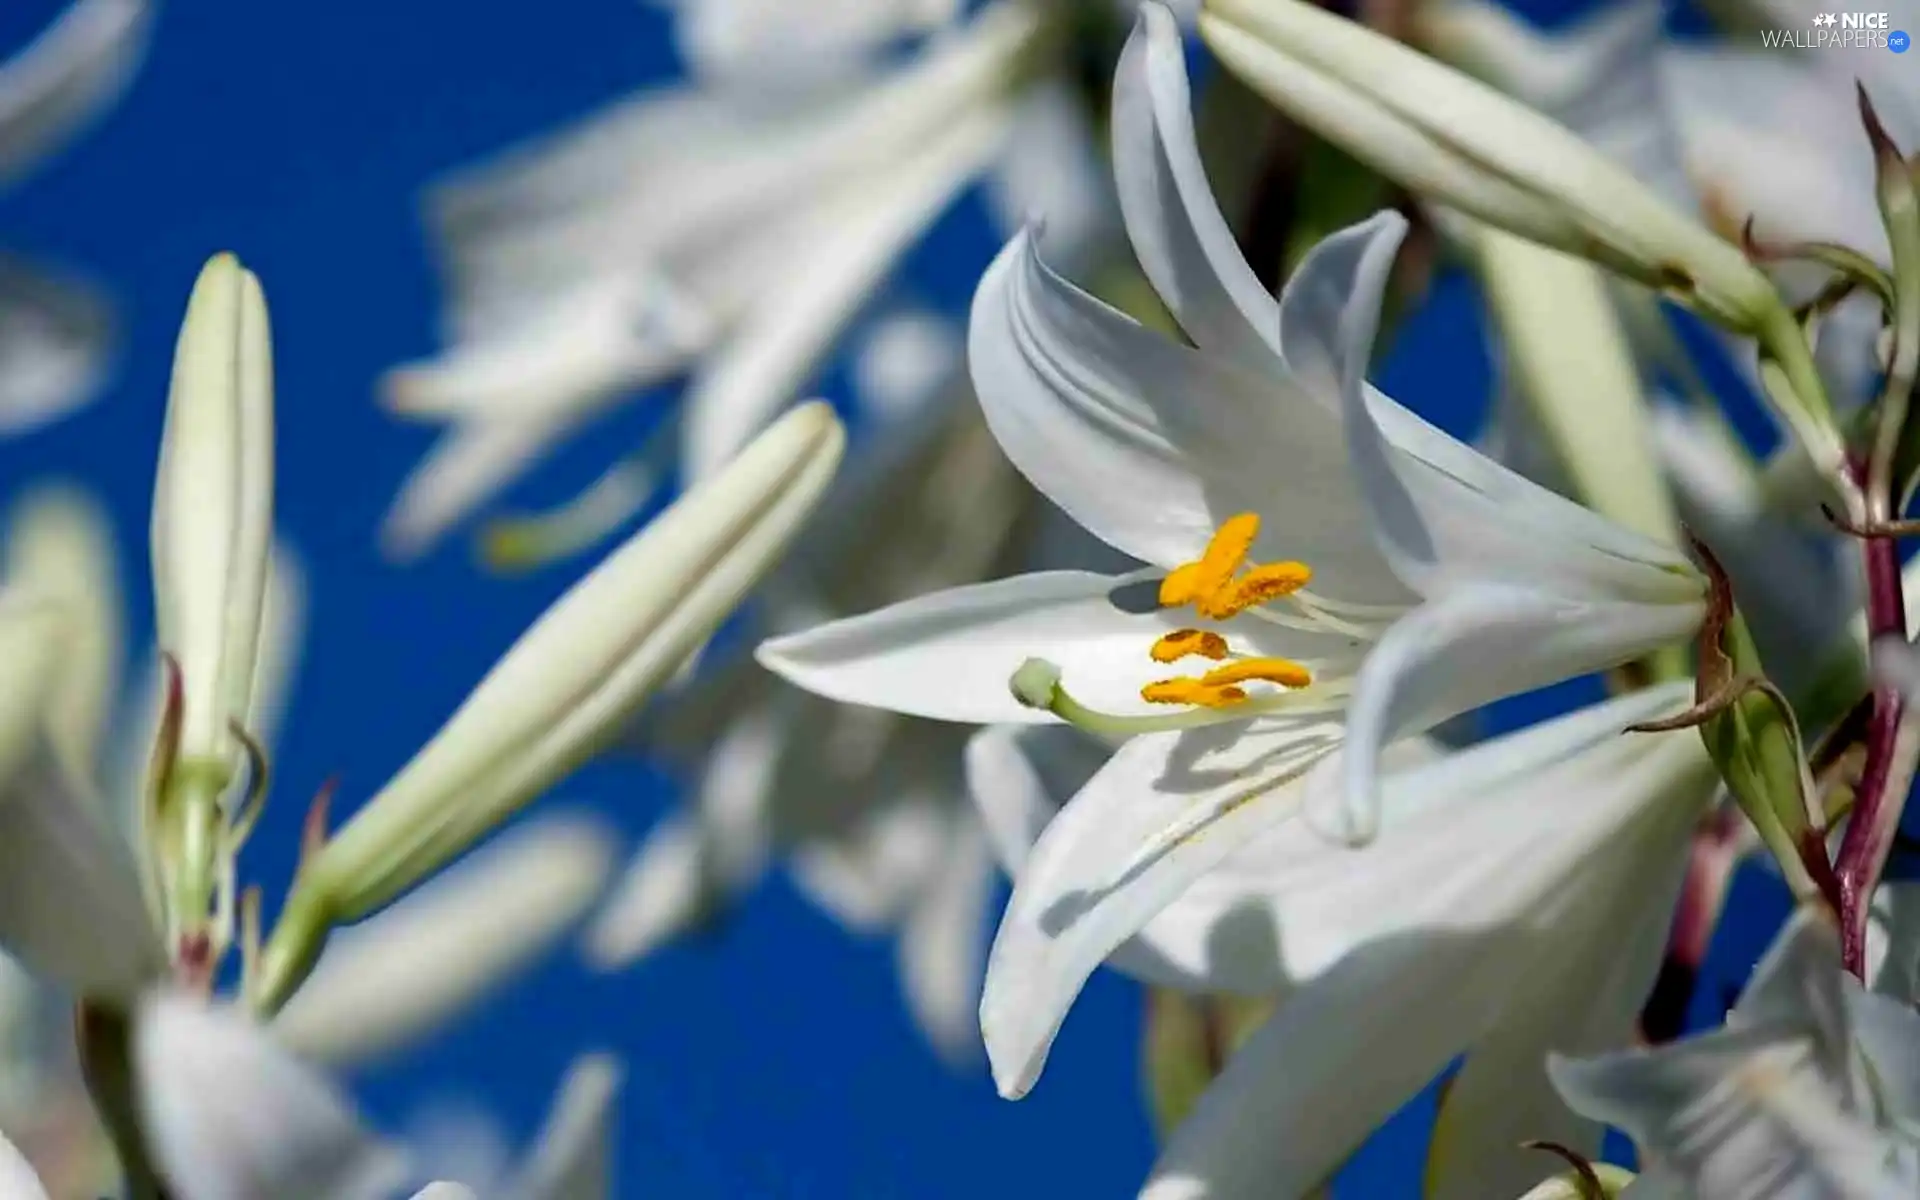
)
(1876, 809)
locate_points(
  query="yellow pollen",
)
(1193, 692)
(1189, 643)
(1283, 671)
(1268, 582)
(1225, 554)
(1217, 590)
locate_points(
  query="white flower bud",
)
(1462, 143)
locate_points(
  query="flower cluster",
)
(1140, 589)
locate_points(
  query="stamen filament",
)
(1037, 685)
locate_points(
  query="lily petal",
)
(1291, 1105)
(1443, 513)
(767, 44)
(1475, 646)
(949, 655)
(667, 890)
(71, 905)
(782, 340)
(1740, 112)
(1188, 843)
(573, 1155)
(568, 359)
(473, 460)
(229, 1115)
(1150, 445)
(1015, 775)
(56, 334)
(434, 954)
(17, 1178)
(943, 943)
(71, 73)
(1179, 234)
(1583, 996)
(1345, 1051)
(60, 544)
(867, 877)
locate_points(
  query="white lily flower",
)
(55, 330)
(866, 810)
(59, 545)
(76, 69)
(427, 958)
(1462, 143)
(1424, 556)
(1521, 889)
(229, 1115)
(1805, 1092)
(767, 43)
(71, 905)
(1895, 971)
(689, 227)
(55, 334)
(570, 1158)
(567, 685)
(17, 1176)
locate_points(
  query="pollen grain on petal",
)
(1283, 671)
(1189, 643)
(1193, 692)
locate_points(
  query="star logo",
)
(1827, 19)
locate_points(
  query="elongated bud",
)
(1570, 361)
(212, 530)
(213, 503)
(1450, 137)
(573, 679)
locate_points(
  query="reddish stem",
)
(1876, 813)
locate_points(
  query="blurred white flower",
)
(103, 922)
(868, 809)
(571, 1157)
(716, 232)
(1812, 1089)
(417, 965)
(568, 686)
(55, 328)
(772, 44)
